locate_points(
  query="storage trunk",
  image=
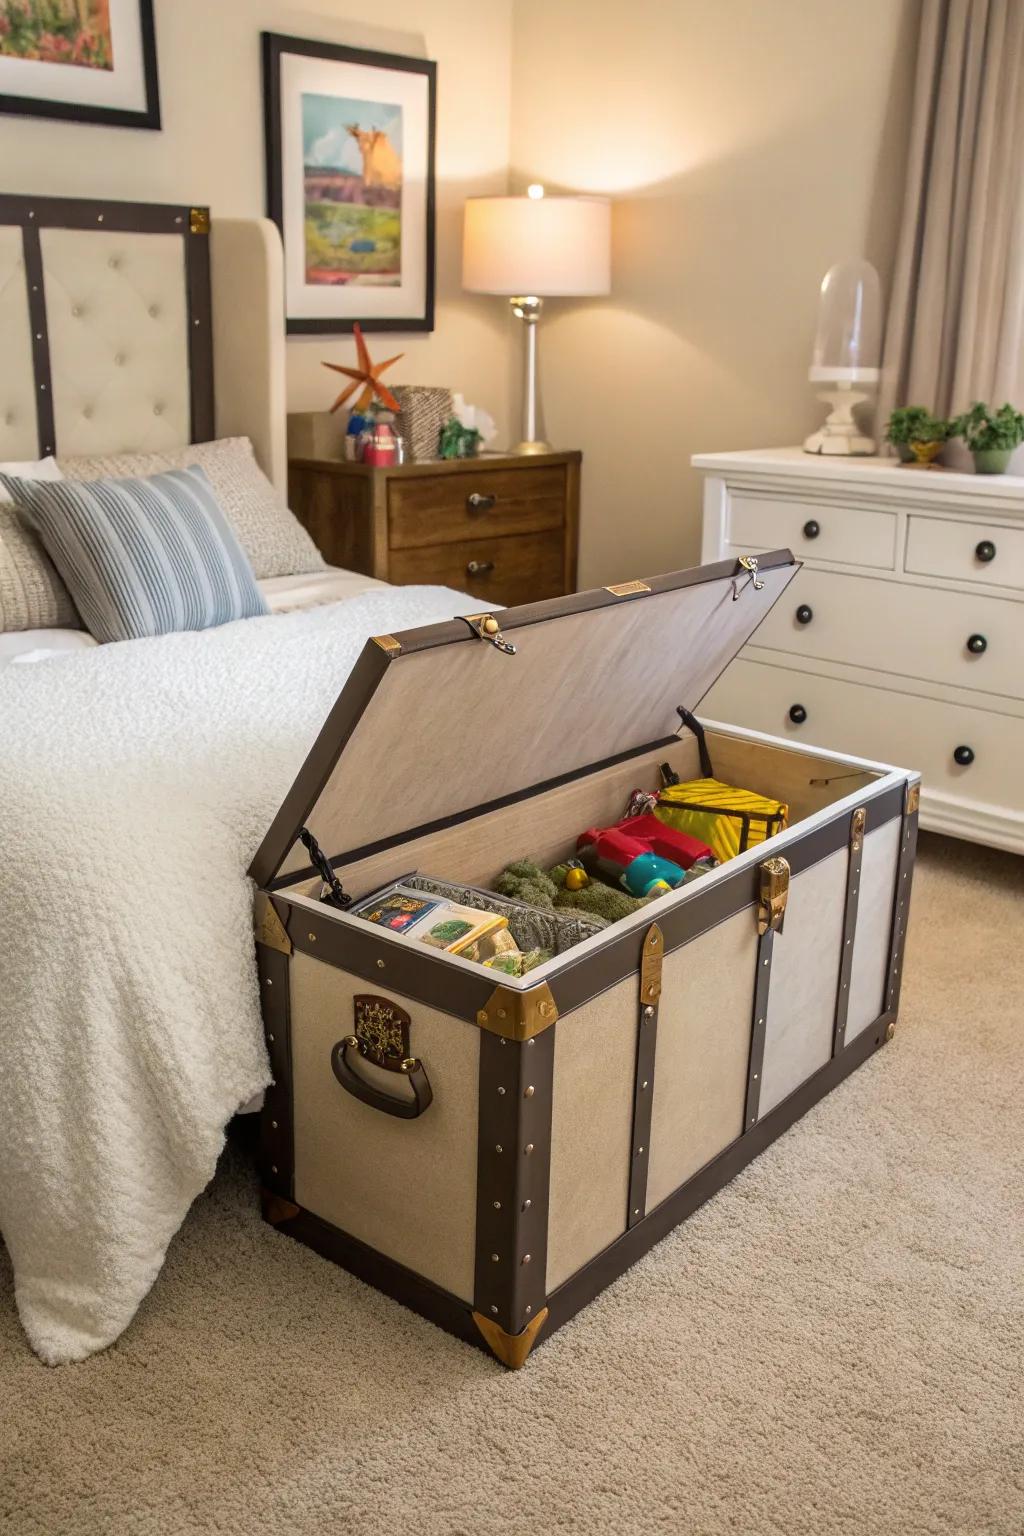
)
(493, 1151)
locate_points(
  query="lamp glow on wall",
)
(528, 249)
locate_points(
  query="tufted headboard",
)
(109, 341)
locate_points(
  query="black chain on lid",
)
(333, 891)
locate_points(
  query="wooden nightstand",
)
(503, 529)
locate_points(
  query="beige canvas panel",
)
(804, 980)
(874, 926)
(478, 717)
(19, 435)
(116, 311)
(405, 1187)
(591, 1128)
(700, 1077)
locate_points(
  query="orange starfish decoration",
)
(368, 374)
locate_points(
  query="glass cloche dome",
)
(847, 354)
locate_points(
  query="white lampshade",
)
(547, 247)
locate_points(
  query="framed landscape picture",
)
(350, 184)
(93, 61)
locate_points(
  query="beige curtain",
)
(955, 327)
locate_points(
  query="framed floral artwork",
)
(93, 61)
(350, 184)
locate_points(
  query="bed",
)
(137, 779)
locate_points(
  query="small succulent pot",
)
(991, 461)
(924, 454)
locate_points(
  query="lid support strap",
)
(332, 890)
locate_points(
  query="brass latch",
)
(857, 829)
(774, 894)
(650, 966)
(747, 563)
(486, 627)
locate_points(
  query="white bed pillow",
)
(272, 537)
(32, 595)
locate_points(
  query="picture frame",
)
(350, 146)
(84, 61)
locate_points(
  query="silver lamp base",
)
(527, 309)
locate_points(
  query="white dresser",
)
(901, 639)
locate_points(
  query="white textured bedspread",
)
(136, 782)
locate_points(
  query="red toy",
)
(642, 854)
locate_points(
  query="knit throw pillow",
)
(141, 557)
(272, 537)
(32, 595)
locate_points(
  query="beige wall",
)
(211, 151)
(748, 144)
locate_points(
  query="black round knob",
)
(977, 645)
(797, 714)
(812, 529)
(963, 756)
(985, 551)
(804, 614)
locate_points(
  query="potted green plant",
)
(990, 435)
(916, 434)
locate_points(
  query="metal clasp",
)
(749, 564)
(774, 894)
(486, 627)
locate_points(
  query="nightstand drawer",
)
(474, 504)
(521, 569)
(813, 530)
(964, 639)
(880, 725)
(986, 552)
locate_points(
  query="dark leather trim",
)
(513, 1182)
(277, 1118)
(643, 1102)
(901, 912)
(36, 290)
(759, 1025)
(853, 874)
(36, 213)
(588, 1282)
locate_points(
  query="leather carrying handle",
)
(388, 1103)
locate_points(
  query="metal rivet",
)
(494, 1258)
(648, 1012)
(528, 1311)
(497, 1205)
(311, 937)
(273, 1167)
(636, 1211)
(526, 1258)
(268, 981)
(42, 386)
(99, 218)
(273, 1125)
(752, 1119)
(39, 335)
(760, 1021)
(765, 961)
(501, 1013)
(849, 941)
(494, 1310)
(653, 941)
(644, 1083)
(528, 1149)
(501, 1090)
(531, 1041)
(527, 1204)
(528, 1092)
(31, 213)
(380, 965)
(271, 1039)
(501, 1038)
(639, 1151)
(890, 1030)
(195, 322)
(499, 1147)
(755, 1077)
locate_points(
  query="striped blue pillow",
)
(141, 557)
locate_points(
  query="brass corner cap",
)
(512, 1349)
(270, 930)
(276, 1209)
(388, 644)
(913, 797)
(199, 221)
(518, 1015)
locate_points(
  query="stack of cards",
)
(434, 920)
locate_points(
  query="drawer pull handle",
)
(797, 714)
(811, 529)
(804, 614)
(977, 645)
(479, 567)
(963, 756)
(985, 551)
(478, 501)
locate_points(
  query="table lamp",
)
(531, 248)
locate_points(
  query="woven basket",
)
(424, 411)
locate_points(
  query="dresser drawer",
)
(888, 727)
(964, 639)
(936, 547)
(521, 569)
(489, 504)
(845, 535)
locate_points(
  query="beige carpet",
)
(834, 1345)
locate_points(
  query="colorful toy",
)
(642, 855)
(729, 820)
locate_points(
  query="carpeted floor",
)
(834, 1345)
